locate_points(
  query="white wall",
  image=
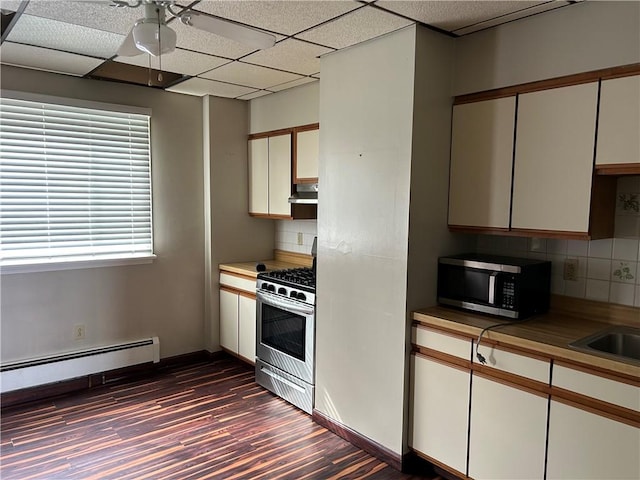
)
(288, 108)
(578, 38)
(165, 298)
(231, 234)
(366, 114)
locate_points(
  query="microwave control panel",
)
(509, 293)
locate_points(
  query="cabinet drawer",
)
(427, 338)
(516, 364)
(597, 387)
(241, 283)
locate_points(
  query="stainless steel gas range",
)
(285, 340)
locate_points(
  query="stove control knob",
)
(271, 288)
(293, 294)
(282, 291)
(302, 296)
(264, 286)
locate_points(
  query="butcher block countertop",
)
(548, 334)
(281, 260)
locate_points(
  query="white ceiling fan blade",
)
(240, 33)
(128, 47)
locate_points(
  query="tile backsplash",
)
(287, 235)
(608, 270)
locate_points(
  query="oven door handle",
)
(283, 304)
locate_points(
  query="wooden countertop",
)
(548, 334)
(281, 261)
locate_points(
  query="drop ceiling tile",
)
(250, 75)
(94, 14)
(355, 27)
(543, 7)
(256, 94)
(202, 86)
(178, 61)
(11, 5)
(295, 83)
(290, 55)
(41, 32)
(454, 15)
(44, 59)
(284, 17)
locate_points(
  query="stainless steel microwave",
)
(508, 287)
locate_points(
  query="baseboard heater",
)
(65, 366)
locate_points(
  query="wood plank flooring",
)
(208, 420)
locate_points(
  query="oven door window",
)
(283, 331)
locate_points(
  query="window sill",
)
(75, 264)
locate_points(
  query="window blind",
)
(75, 183)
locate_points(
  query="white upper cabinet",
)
(259, 176)
(619, 122)
(270, 176)
(481, 160)
(280, 175)
(553, 164)
(306, 156)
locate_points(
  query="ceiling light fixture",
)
(154, 38)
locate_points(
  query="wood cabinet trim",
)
(597, 407)
(515, 350)
(273, 216)
(442, 358)
(446, 468)
(271, 133)
(442, 331)
(307, 127)
(564, 81)
(476, 229)
(599, 372)
(237, 291)
(511, 380)
(618, 169)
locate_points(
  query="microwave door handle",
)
(492, 288)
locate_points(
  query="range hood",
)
(306, 193)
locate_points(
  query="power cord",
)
(479, 356)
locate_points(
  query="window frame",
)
(61, 263)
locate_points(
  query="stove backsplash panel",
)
(287, 233)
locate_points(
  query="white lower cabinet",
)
(507, 432)
(229, 320)
(247, 328)
(440, 412)
(585, 445)
(238, 315)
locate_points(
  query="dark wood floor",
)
(208, 420)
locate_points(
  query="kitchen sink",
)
(619, 342)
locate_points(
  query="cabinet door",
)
(553, 165)
(507, 432)
(440, 412)
(619, 122)
(481, 163)
(280, 175)
(229, 320)
(247, 328)
(588, 446)
(259, 176)
(307, 151)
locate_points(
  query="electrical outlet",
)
(78, 332)
(570, 269)
(299, 238)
